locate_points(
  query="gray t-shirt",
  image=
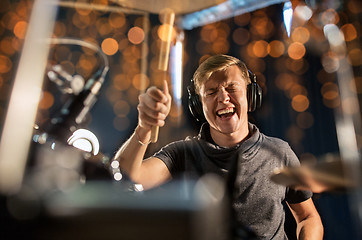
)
(256, 200)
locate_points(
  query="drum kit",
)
(329, 174)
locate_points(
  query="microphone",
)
(75, 109)
(66, 82)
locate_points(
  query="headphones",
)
(254, 97)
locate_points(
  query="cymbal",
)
(179, 7)
(319, 177)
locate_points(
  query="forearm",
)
(131, 153)
(310, 228)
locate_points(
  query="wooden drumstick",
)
(167, 19)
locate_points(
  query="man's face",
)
(224, 101)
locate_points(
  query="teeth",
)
(226, 110)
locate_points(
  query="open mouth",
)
(226, 112)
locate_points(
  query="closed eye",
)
(231, 89)
(211, 92)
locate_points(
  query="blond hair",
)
(216, 63)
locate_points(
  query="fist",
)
(154, 106)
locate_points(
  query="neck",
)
(229, 139)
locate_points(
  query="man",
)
(226, 145)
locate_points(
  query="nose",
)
(223, 96)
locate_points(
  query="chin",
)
(227, 127)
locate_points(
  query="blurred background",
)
(283, 42)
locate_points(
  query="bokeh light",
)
(330, 94)
(221, 45)
(208, 33)
(20, 29)
(300, 34)
(285, 81)
(276, 48)
(260, 48)
(242, 20)
(164, 30)
(5, 64)
(120, 82)
(109, 46)
(140, 81)
(136, 35)
(241, 36)
(300, 103)
(117, 20)
(349, 31)
(121, 108)
(6, 46)
(305, 120)
(355, 57)
(296, 50)
(330, 16)
(46, 101)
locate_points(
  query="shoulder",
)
(179, 145)
(281, 148)
(275, 142)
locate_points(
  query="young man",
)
(226, 145)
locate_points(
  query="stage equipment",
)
(185, 209)
(167, 17)
(20, 116)
(75, 109)
(327, 174)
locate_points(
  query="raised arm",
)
(153, 108)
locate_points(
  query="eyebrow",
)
(230, 84)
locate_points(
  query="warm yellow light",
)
(330, 91)
(276, 48)
(260, 48)
(297, 89)
(300, 34)
(5, 64)
(109, 46)
(296, 50)
(208, 33)
(121, 82)
(46, 101)
(136, 35)
(117, 20)
(20, 29)
(140, 81)
(163, 31)
(300, 103)
(285, 81)
(220, 46)
(6, 46)
(242, 20)
(357, 82)
(330, 16)
(60, 29)
(355, 57)
(121, 108)
(349, 31)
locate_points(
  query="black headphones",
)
(254, 96)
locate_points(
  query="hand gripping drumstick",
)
(167, 18)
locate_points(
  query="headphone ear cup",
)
(254, 93)
(251, 97)
(258, 96)
(195, 105)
